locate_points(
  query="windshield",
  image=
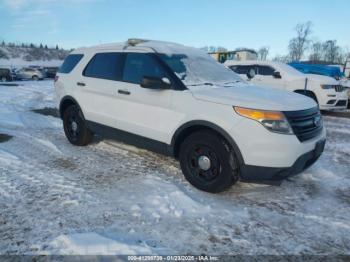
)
(197, 69)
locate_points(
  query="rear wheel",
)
(75, 127)
(208, 163)
(3, 79)
(35, 78)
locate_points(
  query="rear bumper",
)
(261, 174)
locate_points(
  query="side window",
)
(242, 69)
(265, 70)
(106, 66)
(138, 65)
(69, 63)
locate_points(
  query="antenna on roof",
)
(136, 41)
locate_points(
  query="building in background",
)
(243, 54)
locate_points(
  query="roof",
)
(149, 45)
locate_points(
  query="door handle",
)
(80, 84)
(123, 92)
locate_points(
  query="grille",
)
(339, 88)
(306, 124)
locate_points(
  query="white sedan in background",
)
(326, 91)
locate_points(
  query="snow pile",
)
(94, 244)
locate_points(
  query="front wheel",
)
(3, 79)
(208, 163)
(75, 127)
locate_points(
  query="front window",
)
(138, 65)
(197, 69)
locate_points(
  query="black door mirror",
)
(251, 73)
(155, 83)
(277, 74)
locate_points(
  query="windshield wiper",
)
(202, 84)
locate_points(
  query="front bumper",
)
(333, 100)
(261, 174)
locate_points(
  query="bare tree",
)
(332, 52)
(299, 44)
(317, 53)
(281, 58)
(263, 52)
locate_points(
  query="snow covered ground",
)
(108, 198)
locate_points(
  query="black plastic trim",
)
(129, 138)
(261, 174)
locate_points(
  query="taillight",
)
(56, 78)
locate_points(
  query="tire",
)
(221, 172)
(35, 78)
(75, 127)
(3, 79)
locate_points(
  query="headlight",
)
(274, 121)
(327, 86)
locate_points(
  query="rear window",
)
(69, 63)
(105, 66)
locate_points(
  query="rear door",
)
(98, 87)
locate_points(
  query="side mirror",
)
(251, 73)
(277, 74)
(155, 83)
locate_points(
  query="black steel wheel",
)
(207, 162)
(75, 127)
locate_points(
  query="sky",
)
(198, 23)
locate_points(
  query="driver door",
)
(145, 112)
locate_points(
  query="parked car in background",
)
(178, 101)
(326, 91)
(28, 73)
(13, 74)
(5, 75)
(50, 71)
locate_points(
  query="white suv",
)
(326, 91)
(178, 101)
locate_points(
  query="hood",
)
(322, 79)
(345, 82)
(254, 97)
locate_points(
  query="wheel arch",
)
(308, 93)
(66, 102)
(190, 127)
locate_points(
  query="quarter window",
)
(105, 66)
(69, 63)
(138, 65)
